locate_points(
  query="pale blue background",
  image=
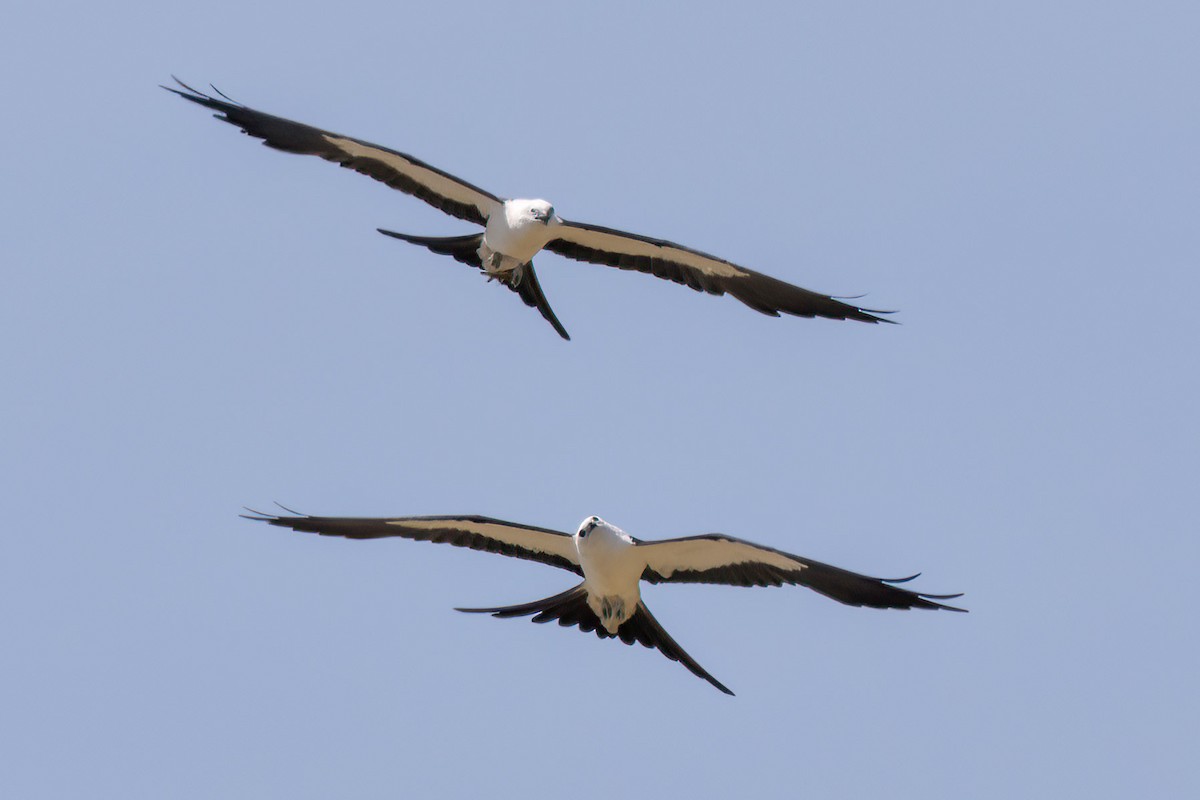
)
(191, 322)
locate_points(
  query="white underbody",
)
(514, 236)
(612, 570)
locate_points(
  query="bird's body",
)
(613, 564)
(516, 230)
(612, 572)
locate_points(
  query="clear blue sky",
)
(191, 323)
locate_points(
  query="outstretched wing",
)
(571, 608)
(465, 249)
(478, 533)
(717, 558)
(700, 271)
(398, 170)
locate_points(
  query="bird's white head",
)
(536, 211)
(588, 524)
(594, 528)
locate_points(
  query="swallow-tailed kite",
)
(612, 563)
(516, 230)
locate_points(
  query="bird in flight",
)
(516, 230)
(612, 564)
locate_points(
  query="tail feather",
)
(550, 605)
(570, 608)
(465, 250)
(645, 629)
(531, 292)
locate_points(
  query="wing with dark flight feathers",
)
(399, 170)
(716, 558)
(700, 271)
(477, 533)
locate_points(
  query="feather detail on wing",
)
(716, 558)
(477, 533)
(399, 170)
(700, 271)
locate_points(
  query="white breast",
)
(513, 233)
(611, 566)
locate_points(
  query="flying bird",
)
(612, 564)
(514, 231)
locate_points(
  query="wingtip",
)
(393, 234)
(493, 611)
(256, 515)
(196, 96)
(273, 519)
(872, 315)
(183, 85)
(932, 598)
(227, 97)
(861, 314)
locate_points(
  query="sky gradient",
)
(193, 323)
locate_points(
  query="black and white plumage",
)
(612, 564)
(516, 230)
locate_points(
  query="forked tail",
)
(570, 608)
(465, 249)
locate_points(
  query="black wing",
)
(717, 558)
(398, 170)
(700, 271)
(477, 533)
